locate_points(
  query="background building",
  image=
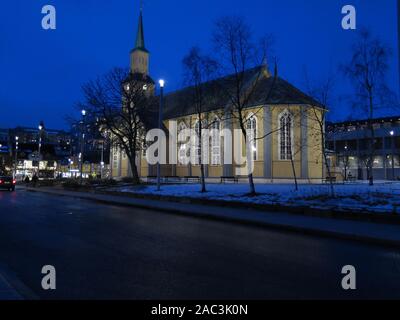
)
(350, 143)
(52, 153)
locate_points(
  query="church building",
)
(289, 122)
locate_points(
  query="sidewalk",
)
(372, 233)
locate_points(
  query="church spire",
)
(140, 55)
(140, 33)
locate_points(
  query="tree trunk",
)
(135, 175)
(252, 187)
(200, 136)
(328, 169)
(250, 166)
(294, 173)
(372, 147)
(203, 180)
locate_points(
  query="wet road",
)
(102, 251)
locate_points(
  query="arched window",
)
(252, 135)
(182, 146)
(285, 135)
(216, 142)
(197, 151)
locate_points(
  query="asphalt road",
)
(102, 252)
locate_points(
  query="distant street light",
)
(102, 160)
(82, 145)
(392, 143)
(40, 145)
(160, 110)
(16, 157)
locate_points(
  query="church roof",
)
(179, 103)
(139, 45)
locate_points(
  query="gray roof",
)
(180, 103)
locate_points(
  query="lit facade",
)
(288, 120)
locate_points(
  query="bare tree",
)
(367, 70)
(198, 70)
(322, 92)
(119, 101)
(237, 54)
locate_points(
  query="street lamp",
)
(161, 82)
(40, 145)
(16, 157)
(392, 143)
(82, 145)
(346, 162)
(102, 160)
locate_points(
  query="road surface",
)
(108, 252)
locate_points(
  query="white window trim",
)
(286, 111)
(181, 147)
(252, 115)
(218, 147)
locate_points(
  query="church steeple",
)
(140, 55)
(140, 34)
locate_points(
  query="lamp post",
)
(82, 145)
(160, 110)
(40, 145)
(346, 162)
(392, 143)
(102, 160)
(16, 157)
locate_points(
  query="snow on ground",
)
(383, 197)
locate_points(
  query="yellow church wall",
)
(315, 156)
(242, 170)
(182, 171)
(215, 171)
(280, 168)
(283, 168)
(144, 171)
(124, 167)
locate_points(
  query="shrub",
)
(127, 180)
(71, 184)
(47, 183)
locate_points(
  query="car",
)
(7, 183)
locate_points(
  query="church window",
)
(252, 135)
(182, 146)
(285, 135)
(216, 142)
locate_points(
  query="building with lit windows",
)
(350, 142)
(287, 122)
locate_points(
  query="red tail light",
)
(14, 181)
(1, 181)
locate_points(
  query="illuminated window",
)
(196, 143)
(216, 142)
(252, 135)
(182, 148)
(285, 135)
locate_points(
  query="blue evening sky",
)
(41, 71)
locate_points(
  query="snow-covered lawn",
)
(383, 197)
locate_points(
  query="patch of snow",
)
(382, 197)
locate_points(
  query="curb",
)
(332, 212)
(259, 224)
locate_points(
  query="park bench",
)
(191, 178)
(330, 179)
(233, 179)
